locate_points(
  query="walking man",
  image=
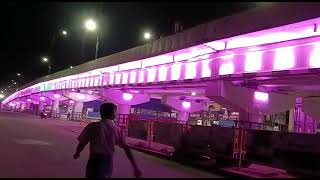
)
(103, 137)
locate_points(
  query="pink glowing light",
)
(127, 96)
(205, 70)
(175, 71)
(118, 78)
(124, 78)
(57, 96)
(87, 82)
(253, 61)
(141, 77)
(73, 90)
(133, 76)
(228, 56)
(186, 104)
(217, 45)
(17, 103)
(163, 70)
(81, 96)
(96, 81)
(284, 59)
(42, 98)
(315, 57)
(90, 92)
(191, 53)
(261, 96)
(29, 100)
(151, 74)
(71, 102)
(110, 69)
(130, 65)
(226, 68)
(157, 60)
(191, 70)
(111, 79)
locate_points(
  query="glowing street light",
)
(1, 96)
(90, 25)
(64, 32)
(18, 74)
(45, 59)
(147, 35)
(71, 67)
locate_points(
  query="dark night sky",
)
(28, 28)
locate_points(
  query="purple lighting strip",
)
(297, 48)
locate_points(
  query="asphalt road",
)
(34, 147)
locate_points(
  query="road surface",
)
(34, 147)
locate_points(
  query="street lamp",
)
(64, 32)
(18, 74)
(91, 26)
(147, 35)
(71, 67)
(46, 60)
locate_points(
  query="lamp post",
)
(91, 26)
(147, 35)
(46, 60)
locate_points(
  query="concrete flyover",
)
(260, 62)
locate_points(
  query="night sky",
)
(28, 30)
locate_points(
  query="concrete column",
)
(78, 106)
(17, 107)
(41, 106)
(22, 106)
(28, 105)
(291, 120)
(256, 120)
(55, 106)
(77, 110)
(123, 109)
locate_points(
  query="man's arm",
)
(80, 147)
(83, 141)
(137, 172)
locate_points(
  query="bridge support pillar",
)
(22, 106)
(77, 110)
(41, 106)
(123, 109)
(55, 106)
(183, 106)
(291, 120)
(252, 105)
(18, 105)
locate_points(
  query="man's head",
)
(108, 111)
